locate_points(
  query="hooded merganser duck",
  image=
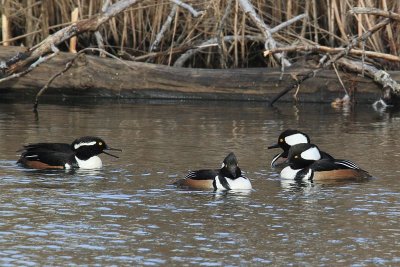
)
(82, 153)
(229, 177)
(287, 139)
(306, 164)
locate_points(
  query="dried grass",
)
(133, 32)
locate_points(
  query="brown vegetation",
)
(132, 34)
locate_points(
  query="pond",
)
(128, 213)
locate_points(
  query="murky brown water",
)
(128, 214)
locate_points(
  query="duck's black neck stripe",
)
(223, 182)
(305, 173)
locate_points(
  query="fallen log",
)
(92, 76)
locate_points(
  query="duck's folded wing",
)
(328, 165)
(45, 157)
(202, 174)
(60, 147)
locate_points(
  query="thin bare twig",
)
(353, 42)
(39, 61)
(270, 42)
(194, 12)
(375, 11)
(327, 49)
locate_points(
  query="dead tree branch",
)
(379, 76)
(92, 24)
(323, 65)
(270, 42)
(39, 61)
(164, 28)
(375, 11)
(213, 42)
(194, 12)
(68, 66)
(184, 57)
(327, 49)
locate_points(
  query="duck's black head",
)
(89, 146)
(230, 166)
(302, 155)
(289, 138)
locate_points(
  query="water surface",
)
(128, 213)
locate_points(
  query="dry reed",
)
(132, 33)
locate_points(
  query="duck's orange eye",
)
(100, 143)
(281, 140)
(296, 157)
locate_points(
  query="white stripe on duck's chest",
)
(239, 183)
(91, 163)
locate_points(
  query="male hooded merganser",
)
(229, 177)
(287, 139)
(82, 153)
(306, 163)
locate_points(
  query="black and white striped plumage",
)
(228, 177)
(82, 153)
(287, 139)
(306, 163)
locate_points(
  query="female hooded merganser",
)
(229, 177)
(306, 163)
(287, 139)
(82, 153)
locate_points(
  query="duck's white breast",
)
(289, 173)
(91, 163)
(239, 183)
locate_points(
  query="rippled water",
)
(129, 214)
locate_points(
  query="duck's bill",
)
(273, 146)
(113, 149)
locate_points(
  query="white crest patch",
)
(91, 163)
(295, 139)
(76, 146)
(311, 154)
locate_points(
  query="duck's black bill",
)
(114, 149)
(273, 146)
